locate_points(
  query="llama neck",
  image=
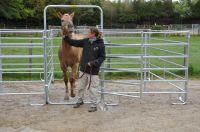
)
(65, 45)
(66, 33)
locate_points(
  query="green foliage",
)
(183, 8)
(11, 9)
(196, 9)
(125, 12)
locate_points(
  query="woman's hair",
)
(96, 32)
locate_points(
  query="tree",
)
(183, 8)
(196, 9)
(115, 12)
(14, 9)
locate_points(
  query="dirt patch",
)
(153, 113)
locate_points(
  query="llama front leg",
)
(73, 78)
(72, 82)
(66, 86)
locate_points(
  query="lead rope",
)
(90, 76)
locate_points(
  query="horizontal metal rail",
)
(21, 72)
(106, 38)
(159, 69)
(22, 46)
(20, 81)
(124, 56)
(119, 94)
(33, 93)
(21, 38)
(145, 57)
(121, 69)
(172, 31)
(144, 92)
(116, 33)
(139, 69)
(122, 63)
(23, 69)
(23, 64)
(21, 31)
(155, 56)
(4, 45)
(147, 32)
(20, 56)
(123, 82)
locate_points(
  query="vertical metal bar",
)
(45, 67)
(147, 53)
(186, 64)
(145, 59)
(30, 52)
(102, 69)
(52, 53)
(142, 66)
(1, 79)
(109, 59)
(45, 56)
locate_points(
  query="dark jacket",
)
(92, 52)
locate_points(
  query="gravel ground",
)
(153, 113)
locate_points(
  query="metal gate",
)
(48, 74)
(22, 63)
(156, 57)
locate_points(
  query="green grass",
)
(194, 60)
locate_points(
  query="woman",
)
(92, 57)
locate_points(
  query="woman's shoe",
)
(77, 105)
(92, 109)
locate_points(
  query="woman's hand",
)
(89, 64)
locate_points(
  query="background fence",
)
(193, 28)
(152, 57)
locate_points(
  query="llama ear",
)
(72, 15)
(59, 15)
